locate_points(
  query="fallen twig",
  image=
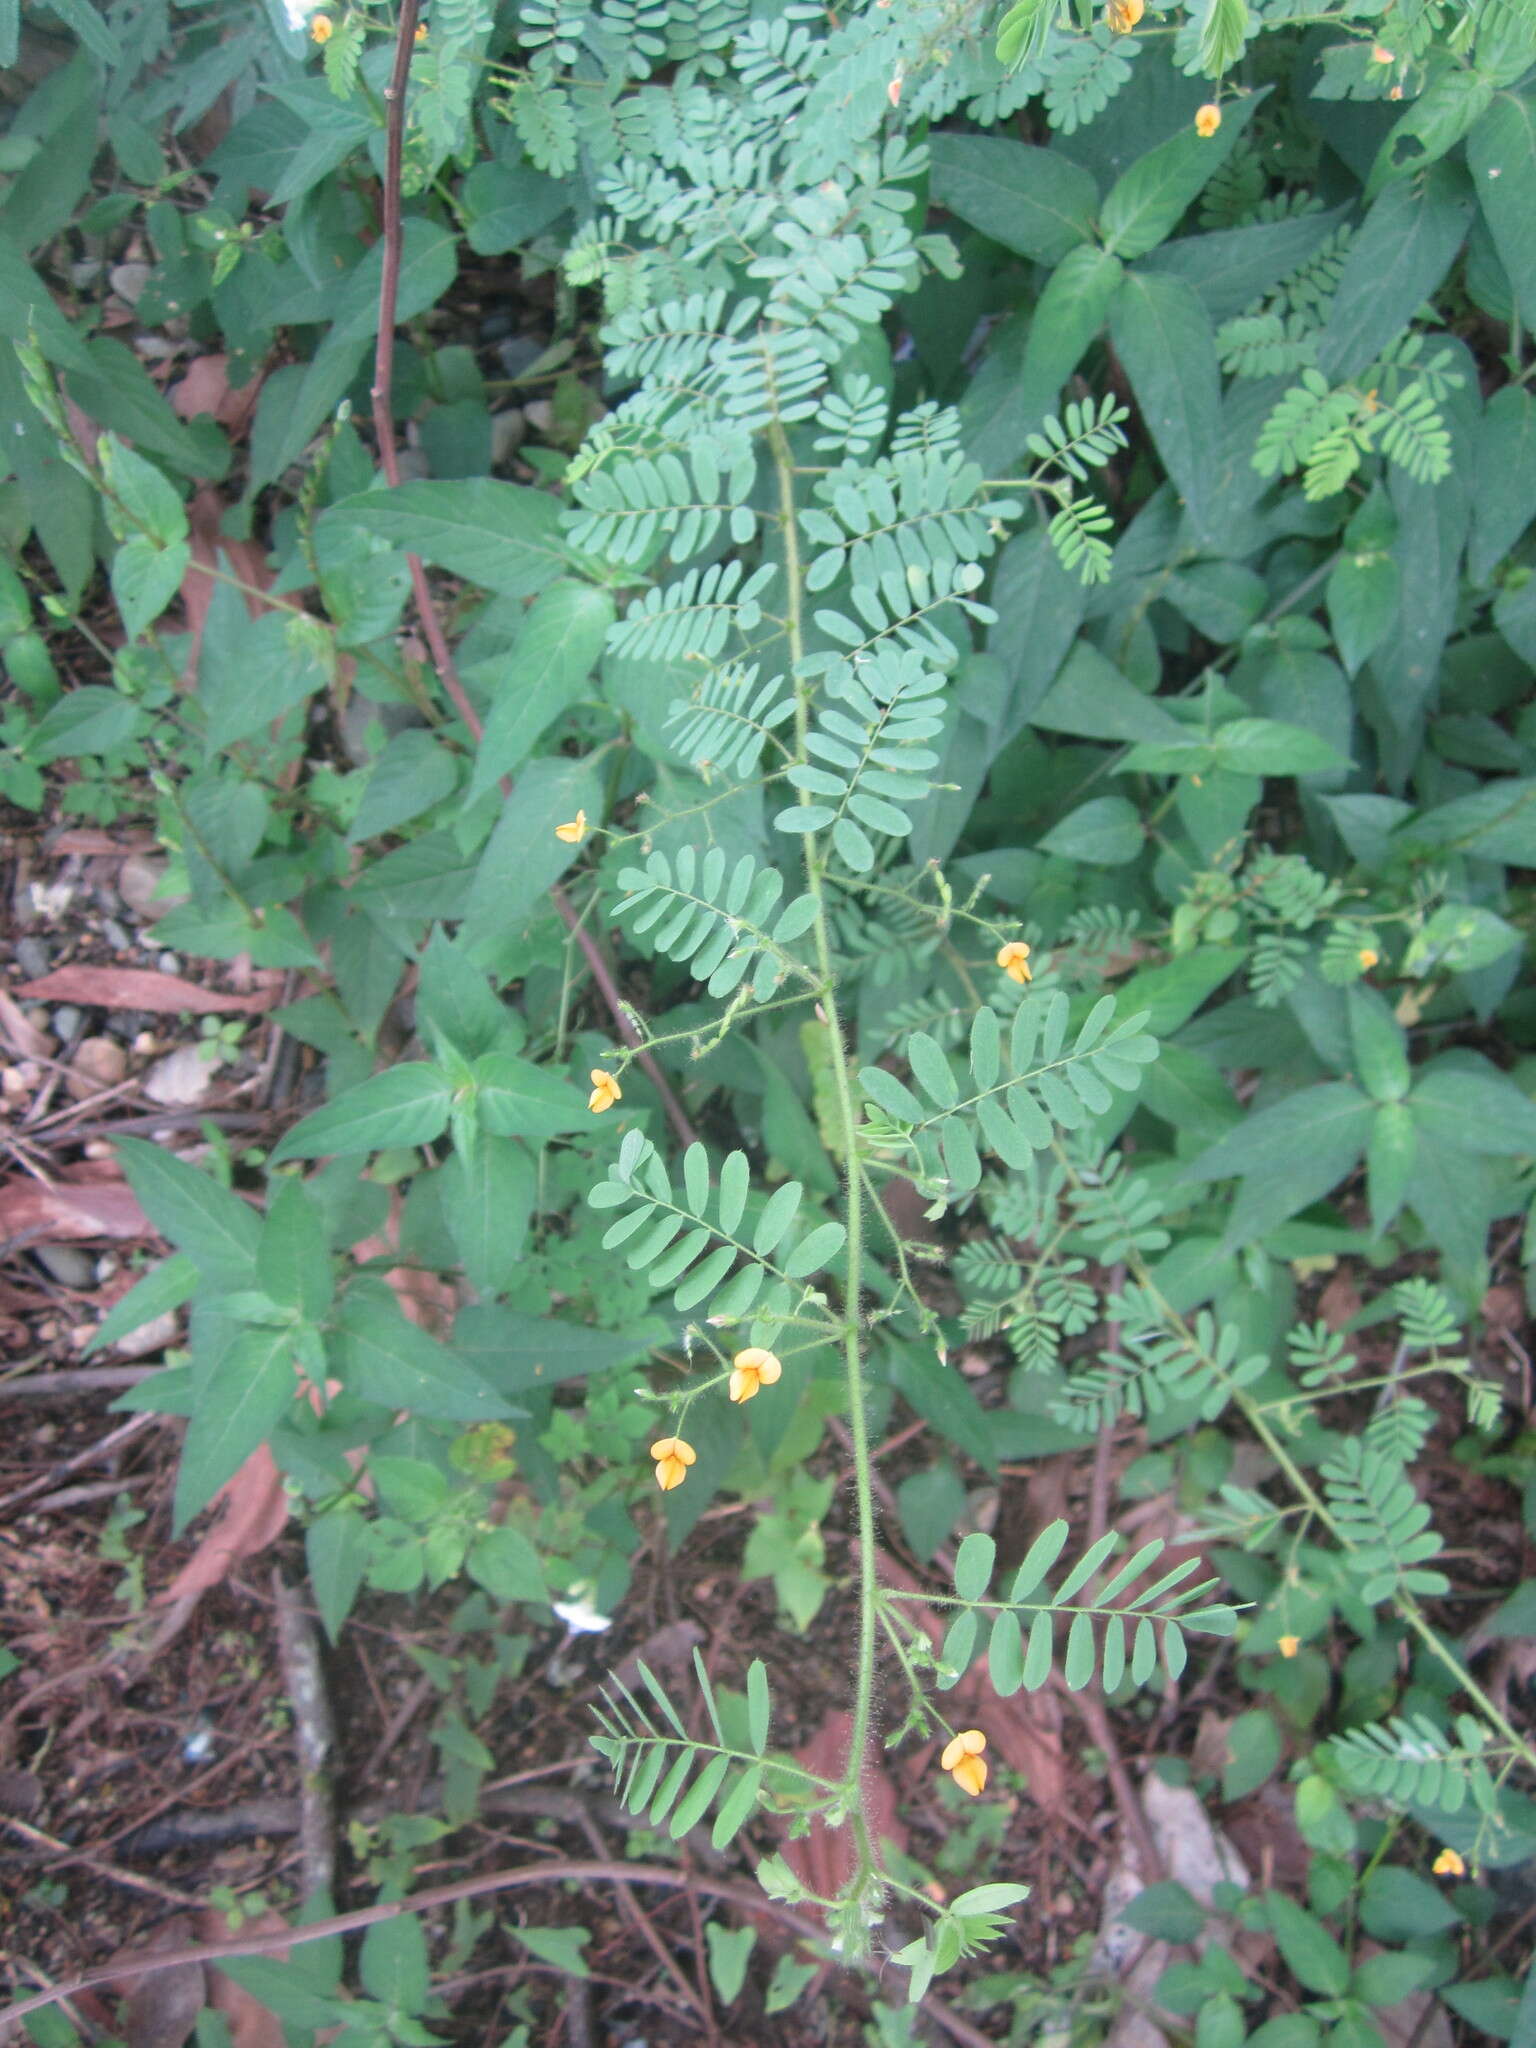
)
(315, 1732)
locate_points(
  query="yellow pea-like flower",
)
(1207, 119)
(1122, 15)
(573, 833)
(751, 1371)
(1448, 1864)
(962, 1760)
(673, 1457)
(321, 29)
(1014, 961)
(1289, 1645)
(605, 1092)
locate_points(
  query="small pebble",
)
(32, 958)
(67, 1264)
(168, 963)
(519, 354)
(98, 1063)
(114, 935)
(66, 1022)
(182, 1077)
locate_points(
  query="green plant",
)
(964, 830)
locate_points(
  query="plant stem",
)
(853, 1363)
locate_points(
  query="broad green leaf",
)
(1263, 746)
(1289, 1154)
(506, 204)
(730, 1950)
(1496, 822)
(503, 537)
(164, 1288)
(1314, 1958)
(293, 1261)
(250, 1388)
(393, 1963)
(336, 1553)
(1092, 700)
(561, 1946)
(379, 1356)
(414, 772)
(250, 671)
(216, 1229)
(516, 1353)
(1231, 267)
(516, 1099)
(1389, 1161)
(1399, 1905)
(1105, 832)
(487, 1204)
(1504, 502)
(428, 265)
(1465, 1103)
(1254, 1749)
(404, 1105)
(559, 644)
(1164, 337)
(507, 1565)
(523, 858)
(1069, 315)
(1501, 154)
(145, 577)
(1362, 603)
(1434, 123)
(1407, 243)
(90, 720)
(1036, 202)
(1147, 202)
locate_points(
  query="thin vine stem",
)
(853, 1360)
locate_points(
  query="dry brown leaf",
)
(206, 389)
(142, 988)
(251, 2024)
(823, 1859)
(160, 2010)
(252, 1509)
(27, 1040)
(94, 1208)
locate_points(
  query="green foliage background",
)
(975, 507)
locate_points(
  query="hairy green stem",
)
(858, 1420)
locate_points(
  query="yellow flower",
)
(962, 1760)
(421, 32)
(573, 833)
(1207, 119)
(1448, 1864)
(673, 1457)
(1123, 15)
(1368, 959)
(321, 29)
(751, 1371)
(1289, 1645)
(605, 1092)
(1380, 54)
(1014, 961)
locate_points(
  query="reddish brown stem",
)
(426, 608)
